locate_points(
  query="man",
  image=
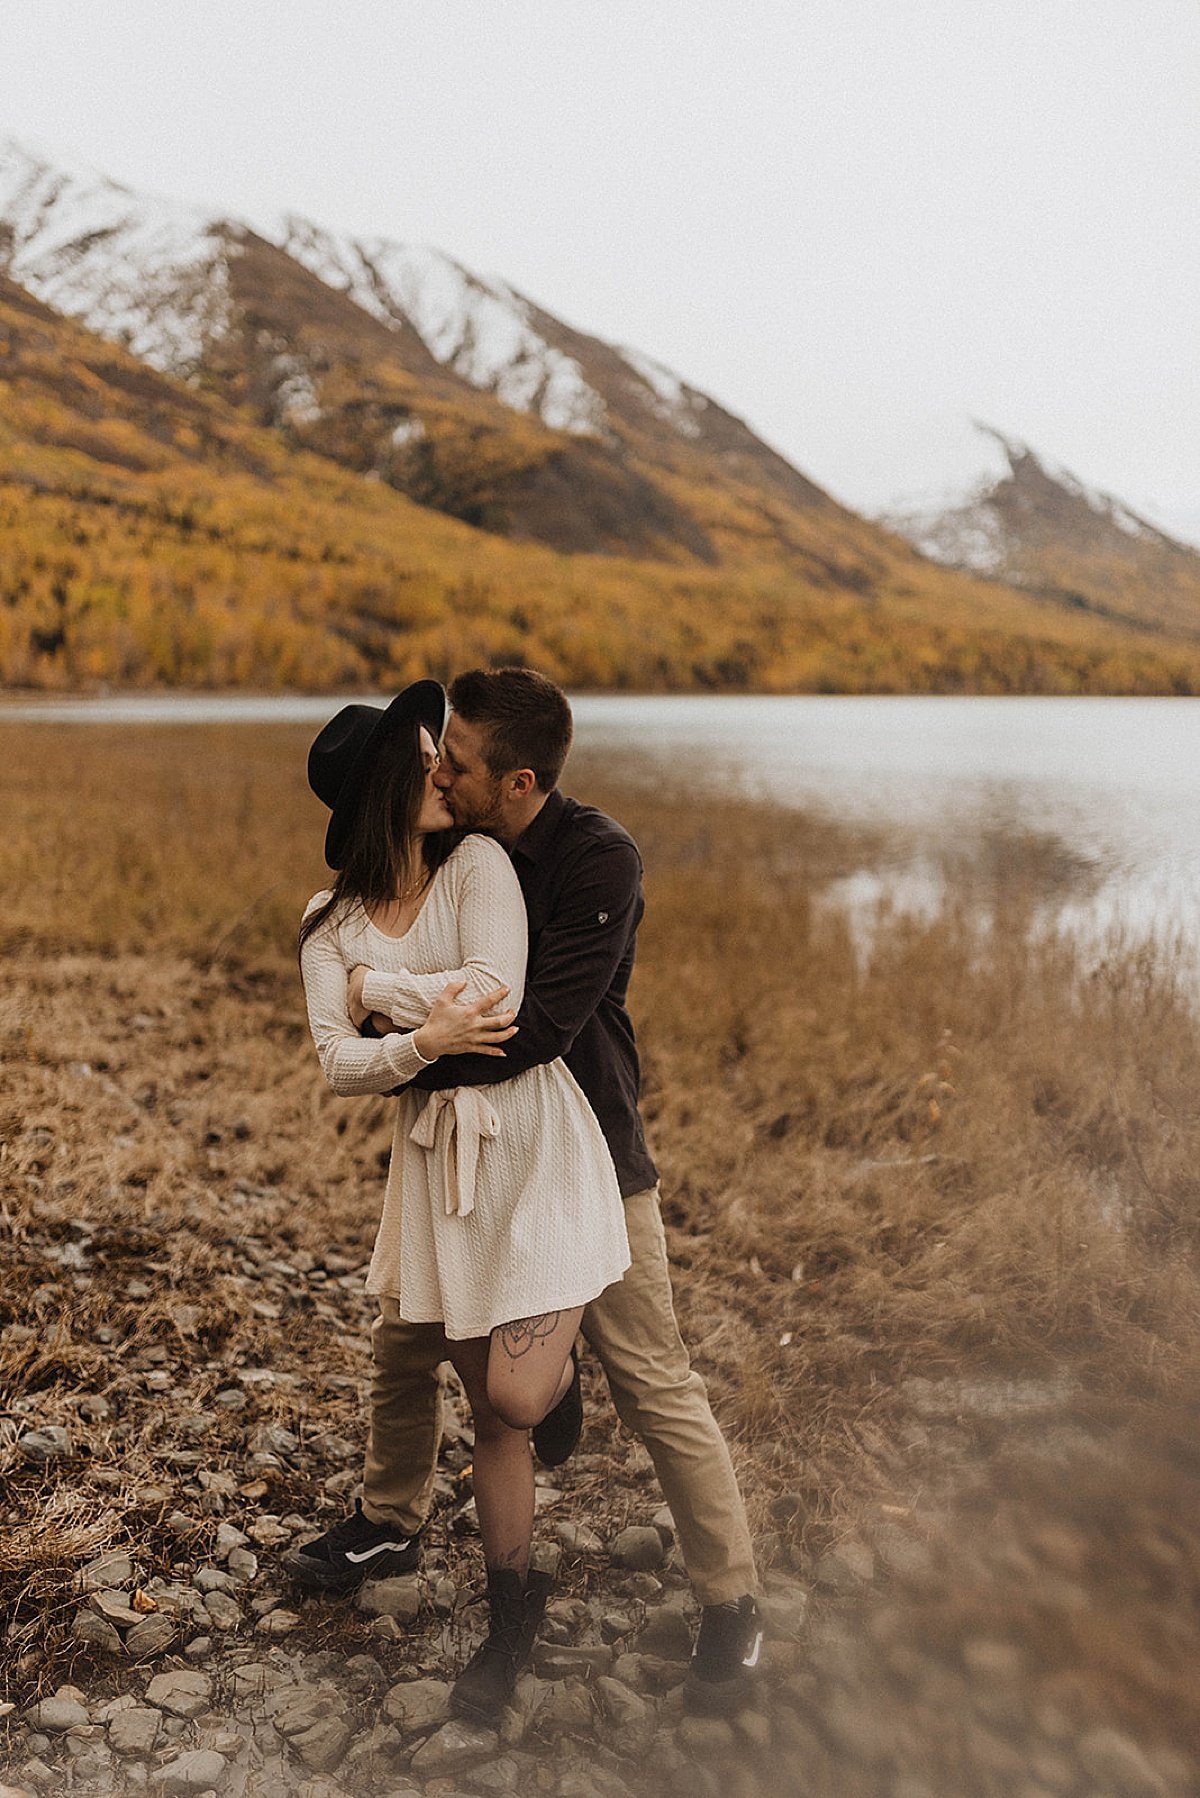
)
(581, 875)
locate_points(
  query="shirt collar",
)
(535, 839)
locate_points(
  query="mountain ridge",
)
(399, 358)
(1036, 526)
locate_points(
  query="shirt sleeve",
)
(351, 1063)
(580, 948)
(493, 939)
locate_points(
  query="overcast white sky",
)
(856, 223)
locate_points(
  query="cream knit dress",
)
(501, 1201)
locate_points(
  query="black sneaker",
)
(352, 1551)
(721, 1673)
(556, 1438)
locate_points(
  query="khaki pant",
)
(632, 1330)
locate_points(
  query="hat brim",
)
(426, 702)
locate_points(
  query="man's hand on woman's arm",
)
(452, 1028)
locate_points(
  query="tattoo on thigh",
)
(520, 1336)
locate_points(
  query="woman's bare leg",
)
(503, 1466)
(529, 1365)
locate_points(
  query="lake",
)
(1099, 798)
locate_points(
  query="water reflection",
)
(1089, 806)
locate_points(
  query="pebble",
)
(229, 1538)
(182, 1694)
(418, 1705)
(578, 1539)
(457, 1744)
(243, 1565)
(845, 1569)
(108, 1572)
(96, 1632)
(135, 1730)
(562, 1661)
(152, 1636)
(115, 1607)
(622, 1707)
(706, 1738)
(223, 1611)
(58, 1714)
(667, 1635)
(277, 1623)
(200, 1771)
(322, 1746)
(50, 1444)
(399, 1598)
(640, 1548)
(211, 1579)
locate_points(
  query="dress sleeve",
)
(351, 1063)
(493, 940)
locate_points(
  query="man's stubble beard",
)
(484, 818)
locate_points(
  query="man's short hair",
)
(526, 720)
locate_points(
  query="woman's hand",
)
(456, 1029)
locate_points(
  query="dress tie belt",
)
(451, 1125)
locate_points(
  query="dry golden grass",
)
(965, 1154)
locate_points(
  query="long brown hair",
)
(383, 856)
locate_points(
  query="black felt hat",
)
(344, 753)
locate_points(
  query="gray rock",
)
(567, 1710)
(115, 1607)
(107, 1572)
(37, 1774)
(784, 1611)
(578, 1539)
(151, 1637)
(418, 1705)
(135, 1731)
(640, 1548)
(211, 1579)
(253, 1679)
(322, 1746)
(845, 1569)
(457, 1744)
(223, 1611)
(50, 1444)
(399, 1598)
(552, 1660)
(299, 1710)
(668, 1634)
(104, 1713)
(664, 1523)
(54, 1716)
(243, 1565)
(277, 1623)
(1116, 1762)
(706, 1738)
(96, 1632)
(621, 1707)
(182, 1694)
(229, 1538)
(200, 1771)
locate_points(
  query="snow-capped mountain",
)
(364, 348)
(1024, 520)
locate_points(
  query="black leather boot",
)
(485, 1685)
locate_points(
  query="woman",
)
(502, 1217)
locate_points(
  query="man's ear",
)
(522, 783)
